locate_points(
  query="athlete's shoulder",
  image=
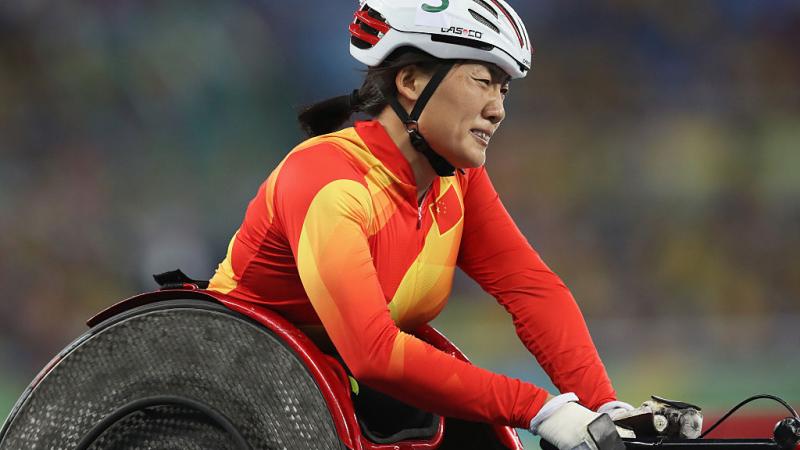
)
(333, 154)
(324, 164)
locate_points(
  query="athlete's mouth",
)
(481, 135)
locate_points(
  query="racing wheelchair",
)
(188, 368)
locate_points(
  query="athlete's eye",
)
(484, 81)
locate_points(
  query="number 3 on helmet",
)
(480, 30)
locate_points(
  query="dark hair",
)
(329, 115)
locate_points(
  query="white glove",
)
(614, 408)
(563, 423)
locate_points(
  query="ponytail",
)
(329, 115)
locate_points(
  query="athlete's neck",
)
(423, 172)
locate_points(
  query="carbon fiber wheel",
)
(183, 348)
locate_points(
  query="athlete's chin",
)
(468, 163)
(477, 162)
(476, 157)
(467, 157)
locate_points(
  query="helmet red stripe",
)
(358, 32)
(377, 24)
(510, 19)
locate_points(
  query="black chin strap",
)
(440, 165)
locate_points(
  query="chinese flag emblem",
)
(447, 210)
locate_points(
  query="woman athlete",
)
(356, 234)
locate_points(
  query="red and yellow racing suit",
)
(336, 236)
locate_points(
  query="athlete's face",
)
(464, 113)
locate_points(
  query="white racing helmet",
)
(481, 30)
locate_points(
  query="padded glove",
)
(614, 408)
(564, 423)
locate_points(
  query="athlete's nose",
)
(494, 111)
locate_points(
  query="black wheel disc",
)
(187, 348)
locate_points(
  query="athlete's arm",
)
(547, 319)
(328, 225)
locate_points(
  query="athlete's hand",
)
(614, 408)
(564, 423)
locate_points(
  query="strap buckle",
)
(412, 126)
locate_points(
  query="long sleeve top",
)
(336, 237)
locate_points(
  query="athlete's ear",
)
(410, 82)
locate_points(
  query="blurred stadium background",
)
(652, 157)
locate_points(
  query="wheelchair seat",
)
(187, 368)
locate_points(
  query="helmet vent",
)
(522, 42)
(484, 21)
(462, 41)
(368, 28)
(488, 7)
(363, 45)
(375, 14)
